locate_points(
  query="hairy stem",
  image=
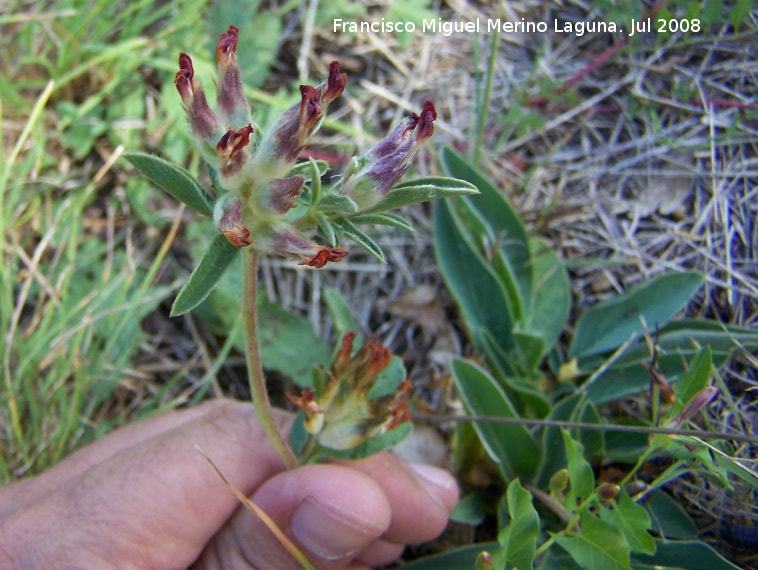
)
(253, 356)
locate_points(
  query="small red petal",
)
(379, 357)
(227, 44)
(400, 406)
(325, 255)
(335, 85)
(184, 77)
(306, 402)
(234, 141)
(238, 236)
(425, 126)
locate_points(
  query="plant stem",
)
(253, 357)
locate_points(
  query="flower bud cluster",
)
(254, 168)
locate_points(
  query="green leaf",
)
(474, 285)
(174, 180)
(580, 473)
(694, 380)
(511, 446)
(289, 345)
(597, 545)
(342, 316)
(633, 520)
(692, 555)
(389, 379)
(552, 438)
(470, 510)
(678, 342)
(670, 518)
(326, 230)
(315, 182)
(609, 323)
(337, 203)
(519, 538)
(421, 190)
(386, 219)
(551, 294)
(220, 255)
(369, 447)
(504, 221)
(359, 237)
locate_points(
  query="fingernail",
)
(433, 480)
(329, 533)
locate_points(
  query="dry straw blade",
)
(253, 508)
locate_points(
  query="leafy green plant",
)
(514, 297)
(264, 202)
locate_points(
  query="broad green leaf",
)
(592, 440)
(174, 180)
(678, 342)
(470, 510)
(669, 517)
(692, 555)
(336, 203)
(551, 295)
(289, 345)
(528, 352)
(502, 218)
(386, 219)
(389, 378)
(629, 377)
(519, 539)
(695, 379)
(220, 255)
(472, 282)
(609, 323)
(689, 334)
(581, 477)
(633, 520)
(487, 242)
(552, 438)
(359, 237)
(597, 545)
(511, 446)
(421, 190)
(369, 447)
(459, 559)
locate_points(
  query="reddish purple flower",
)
(371, 177)
(230, 97)
(290, 134)
(205, 125)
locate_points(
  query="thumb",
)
(330, 512)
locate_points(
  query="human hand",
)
(142, 497)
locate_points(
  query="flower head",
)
(261, 204)
(343, 416)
